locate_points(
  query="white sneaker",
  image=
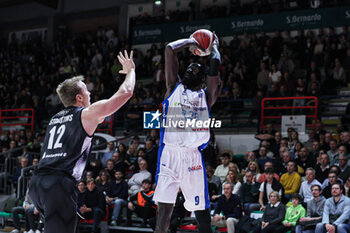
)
(31, 231)
(37, 231)
(15, 231)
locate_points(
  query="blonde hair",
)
(235, 175)
(257, 170)
(68, 90)
(277, 195)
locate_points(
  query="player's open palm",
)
(126, 62)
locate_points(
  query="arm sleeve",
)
(237, 188)
(345, 214)
(325, 216)
(124, 192)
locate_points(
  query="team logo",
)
(151, 120)
(195, 168)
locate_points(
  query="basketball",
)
(204, 38)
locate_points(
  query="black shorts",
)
(55, 197)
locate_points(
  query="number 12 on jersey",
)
(52, 133)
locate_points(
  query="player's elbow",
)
(169, 49)
(127, 94)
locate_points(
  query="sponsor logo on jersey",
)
(195, 168)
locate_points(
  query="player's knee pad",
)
(204, 221)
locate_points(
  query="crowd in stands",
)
(253, 66)
(295, 183)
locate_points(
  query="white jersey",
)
(185, 119)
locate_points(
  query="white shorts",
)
(184, 168)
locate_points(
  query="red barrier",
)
(109, 124)
(264, 108)
(16, 114)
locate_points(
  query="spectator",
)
(222, 170)
(293, 213)
(108, 154)
(117, 195)
(273, 215)
(333, 152)
(314, 211)
(344, 167)
(230, 206)
(322, 169)
(311, 139)
(285, 64)
(102, 181)
(270, 185)
(335, 213)
(335, 169)
(119, 163)
(332, 178)
(232, 178)
(305, 160)
(135, 182)
(263, 156)
(275, 76)
(29, 211)
(262, 178)
(81, 193)
(211, 178)
(305, 188)
(263, 77)
(249, 193)
(18, 171)
(152, 156)
(253, 167)
(141, 203)
(267, 134)
(291, 180)
(110, 168)
(93, 205)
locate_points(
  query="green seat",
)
(8, 215)
(5, 214)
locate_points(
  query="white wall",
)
(241, 143)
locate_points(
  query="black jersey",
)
(66, 145)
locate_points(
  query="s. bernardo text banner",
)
(291, 20)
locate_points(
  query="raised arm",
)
(96, 113)
(172, 63)
(213, 76)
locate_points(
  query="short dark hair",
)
(316, 185)
(297, 196)
(269, 171)
(147, 181)
(226, 155)
(119, 170)
(341, 186)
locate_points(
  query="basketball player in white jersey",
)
(67, 145)
(180, 162)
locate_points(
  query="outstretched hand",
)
(126, 62)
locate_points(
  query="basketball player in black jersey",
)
(67, 144)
